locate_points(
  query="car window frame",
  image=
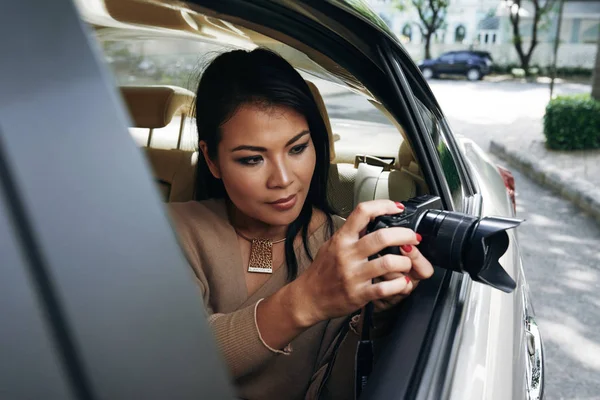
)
(433, 377)
(422, 91)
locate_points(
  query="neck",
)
(253, 228)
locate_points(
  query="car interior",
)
(370, 157)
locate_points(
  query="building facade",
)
(485, 24)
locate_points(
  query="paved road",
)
(487, 110)
(561, 255)
(560, 245)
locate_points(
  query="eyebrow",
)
(263, 149)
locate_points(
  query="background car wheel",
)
(473, 74)
(428, 73)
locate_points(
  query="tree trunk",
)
(596, 75)
(525, 58)
(427, 46)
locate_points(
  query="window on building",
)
(407, 33)
(493, 38)
(459, 34)
(589, 31)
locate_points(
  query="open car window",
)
(364, 113)
(359, 126)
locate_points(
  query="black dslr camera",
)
(455, 241)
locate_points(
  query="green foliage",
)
(432, 13)
(567, 72)
(572, 123)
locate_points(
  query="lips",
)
(283, 200)
(284, 204)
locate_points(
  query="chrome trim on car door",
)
(535, 360)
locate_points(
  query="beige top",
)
(211, 246)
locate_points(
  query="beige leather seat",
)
(341, 176)
(153, 107)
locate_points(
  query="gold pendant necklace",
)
(261, 254)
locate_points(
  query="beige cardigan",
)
(211, 246)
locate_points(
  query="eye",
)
(254, 160)
(299, 148)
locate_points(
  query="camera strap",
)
(364, 353)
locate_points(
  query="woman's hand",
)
(342, 280)
(421, 269)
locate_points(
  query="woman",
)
(278, 270)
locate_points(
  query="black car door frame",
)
(109, 289)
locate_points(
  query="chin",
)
(279, 218)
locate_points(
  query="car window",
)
(462, 57)
(179, 62)
(447, 57)
(449, 165)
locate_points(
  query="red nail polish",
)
(407, 279)
(399, 205)
(419, 238)
(406, 247)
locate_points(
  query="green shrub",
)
(568, 72)
(502, 69)
(561, 72)
(572, 123)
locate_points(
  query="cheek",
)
(241, 181)
(307, 165)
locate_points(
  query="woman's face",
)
(266, 159)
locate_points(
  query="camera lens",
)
(444, 237)
(453, 240)
(465, 243)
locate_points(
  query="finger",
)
(366, 211)
(376, 241)
(383, 289)
(390, 266)
(421, 267)
(389, 302)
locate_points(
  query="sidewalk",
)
(574, 175)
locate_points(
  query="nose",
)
(280, 175)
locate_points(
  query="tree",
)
(596, 76)
(432, 15)
(540, 9)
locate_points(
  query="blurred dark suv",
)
(473, 64)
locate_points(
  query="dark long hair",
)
(264, 78)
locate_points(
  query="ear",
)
(214, 168)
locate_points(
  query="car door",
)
(97, 301)
(462, 63)
(445, 64)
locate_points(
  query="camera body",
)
(453, 240)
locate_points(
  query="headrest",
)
(405, 155)
(155, 106)
(323, 110)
